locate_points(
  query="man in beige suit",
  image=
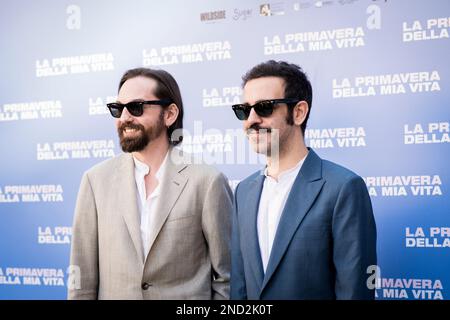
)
(149, 223)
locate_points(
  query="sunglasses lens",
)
(116, 110)
(135, 108)
(264, 108)
(240, 112)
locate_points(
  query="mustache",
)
(256, 127)
(130, 125)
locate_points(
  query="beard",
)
(142, 137)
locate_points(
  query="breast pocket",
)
(183, 222)
(313, 232)
(184, 230)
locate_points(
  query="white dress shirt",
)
(147, 205)
(273, 199)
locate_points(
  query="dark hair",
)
(167, 88)
(297, 85)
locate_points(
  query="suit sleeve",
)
(216, 224)
(238, 288)
(83, 283)
(354, 241)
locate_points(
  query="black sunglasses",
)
(262, 108)
(135, 108)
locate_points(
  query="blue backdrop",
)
(380, 75)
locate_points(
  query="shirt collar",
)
(286, 174)
(142, 169)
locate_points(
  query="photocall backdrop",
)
(380, 75)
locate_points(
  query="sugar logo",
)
(74, 19)
(242, 14)
(432, 29)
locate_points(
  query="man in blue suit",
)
(303, 228)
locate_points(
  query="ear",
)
(171, 114)
(300, 111)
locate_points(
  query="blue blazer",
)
(326, 238)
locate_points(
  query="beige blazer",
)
(189, 255)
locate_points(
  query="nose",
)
(125, 116)
(252, 118)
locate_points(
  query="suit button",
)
(145, 286)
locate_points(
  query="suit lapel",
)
(126, 197)
(250, 231)
(172, 184)
(305, 189)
